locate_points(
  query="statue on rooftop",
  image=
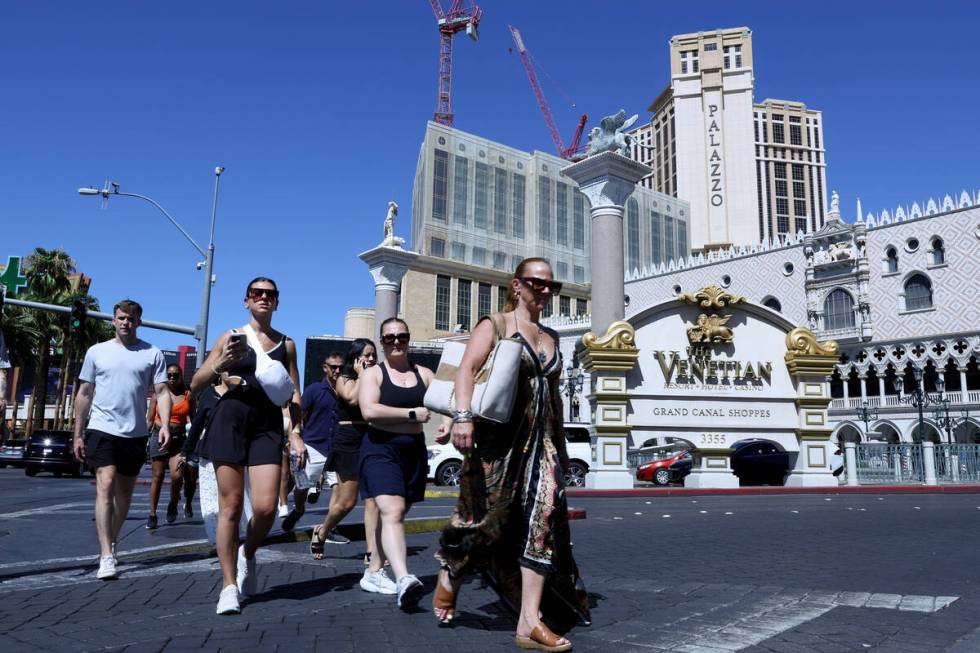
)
(391, 240)
(610, 136)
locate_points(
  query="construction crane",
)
(563, 152)
(450, 23)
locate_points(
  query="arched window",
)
(938, 251)
(918, 293)
(773, 303)
(838, 311)
(891, 260)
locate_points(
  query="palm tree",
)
(21, 336)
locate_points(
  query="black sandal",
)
(316, 543)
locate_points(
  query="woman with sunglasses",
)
(246, 431)
(511, 519)
(343, 463)
(181, 414)
(393, 457)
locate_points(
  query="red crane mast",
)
(450, 23)
(563, 152)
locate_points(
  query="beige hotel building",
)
(751, 171)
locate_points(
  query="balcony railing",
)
(954, 397)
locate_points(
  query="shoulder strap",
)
(253, 342)
(499, 328)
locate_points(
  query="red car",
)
(669, 465)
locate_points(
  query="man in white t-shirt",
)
(110, 421)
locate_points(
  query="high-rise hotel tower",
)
(751, 171)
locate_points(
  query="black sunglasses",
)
(335, 367)
(538, 285)
(173, 375)
(257, 293)
(390, 338)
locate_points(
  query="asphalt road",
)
(782, 573)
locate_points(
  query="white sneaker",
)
(247, 578)
(378, 582)
(228, 601)
(409, 592)
(107, 568)
(283, 510)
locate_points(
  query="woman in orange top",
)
(180, 415)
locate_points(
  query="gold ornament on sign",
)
(801, 341)
(619, 335)
(711, 297)
(711, 328)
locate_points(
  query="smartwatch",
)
(411, 415)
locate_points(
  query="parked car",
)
(51, 451)
(663, 464)
(12, 453)
(445, 461)
(759, 462)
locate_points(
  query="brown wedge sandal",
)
(444, 600)
(542, 639)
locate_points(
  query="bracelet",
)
(463, 413)
(462, 420)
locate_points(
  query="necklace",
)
(542, 355)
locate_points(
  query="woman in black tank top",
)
(393, 457)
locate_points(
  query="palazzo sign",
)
(715, 159)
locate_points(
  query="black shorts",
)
(173, 447)
(105, 450)
(241, 433)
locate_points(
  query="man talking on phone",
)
(110, 421)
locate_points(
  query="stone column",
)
(387, 265)
(863, 378)
(608, 179)
(881, 387)
(808, 362)
(929, 462)
(850, 463)
(964, 395)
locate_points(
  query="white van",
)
(445, 461)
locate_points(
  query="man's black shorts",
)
(103, 450)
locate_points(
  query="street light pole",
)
(866, 414)
(201, 329)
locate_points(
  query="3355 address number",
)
(712, 439)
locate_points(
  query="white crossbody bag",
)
(271, 374)
(494, 385)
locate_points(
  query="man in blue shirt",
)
(320, 415)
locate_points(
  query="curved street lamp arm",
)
(169, 217)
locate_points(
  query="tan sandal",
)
(316, 543)
(445, 600)
(542, 639)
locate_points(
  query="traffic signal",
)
(77, 317)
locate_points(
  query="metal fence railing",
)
(889, 464)
(958, 463)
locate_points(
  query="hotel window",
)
(578, 274)
(778, 135)
(682, 238)
(501, 298)
(561, 213)
(437, 247)
(500, 260)
(782, 188)
(479, 256)
(581, 307)
(689, 61)
(730, 52)
(480, 199)
(797, 172)
(838, 311)
(564, 305)
(710, 47)
(668, 237)
(440, 181)
(795, 136)
(544, 209)
(938, 251)
(561, 271)
(891, 260)
(816, 138)
(578, 220)
(632, 235)
(500, 200)
(655, 249)
(459, 252)
(463, 300)
(460, 179)
(517, 204)
(442, 303)
(918, 293)
(549, 308)
(800, 224)
(799, 208)
(483, 300)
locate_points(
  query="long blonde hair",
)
(518, 273)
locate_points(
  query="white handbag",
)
(271, 374)
(494, 385)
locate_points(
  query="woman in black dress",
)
(246, 430)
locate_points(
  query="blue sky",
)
(317, 110)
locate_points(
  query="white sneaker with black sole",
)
(246, 579)
(228, 601)
(107, 568)
(410, 592)
(378, 582)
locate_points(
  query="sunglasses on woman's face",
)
(538, 285)
(390, 338)
(255, 294)
(173, 375)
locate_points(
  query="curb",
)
(762, 491)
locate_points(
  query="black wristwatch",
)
(411, 416)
